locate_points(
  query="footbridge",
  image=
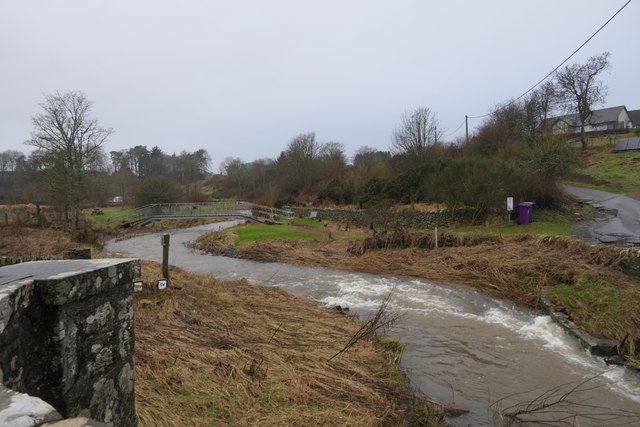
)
(217, 209)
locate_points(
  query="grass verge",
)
(297, 230)
(620, 171)
(111, 217)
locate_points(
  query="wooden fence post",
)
(165, 256)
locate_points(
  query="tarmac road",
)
(616, 219)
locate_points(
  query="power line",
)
(457, 129)
(556, 68)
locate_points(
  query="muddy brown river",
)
(462, 348)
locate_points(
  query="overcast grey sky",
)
(241, 78)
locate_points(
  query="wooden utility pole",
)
(466, 126)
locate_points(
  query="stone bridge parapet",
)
(67, 338)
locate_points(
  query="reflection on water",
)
(461, 347)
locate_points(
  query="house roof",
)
(604, 115)
(635, 117)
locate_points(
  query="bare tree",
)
(364, 156)
(537, 108)
(332, 160)
(580, 89)
(237, 174)
(68, 142)
(333, 150)
(10, 159)
(13, 174)
(300, 161)
(417, 132)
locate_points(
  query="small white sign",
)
(510, 204)
(162, 284)
(137, 286)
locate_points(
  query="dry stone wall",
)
(403, 218)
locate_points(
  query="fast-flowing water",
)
(461, 347)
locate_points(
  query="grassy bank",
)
(231, 353)
(602, 169)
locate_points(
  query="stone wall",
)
(404, 218)
(66, 336)
(596, 346)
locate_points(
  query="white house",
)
(635, 118)
(612, 118)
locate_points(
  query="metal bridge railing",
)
(218, 208)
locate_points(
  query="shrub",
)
(157, 189)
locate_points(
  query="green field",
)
(112, 216)
(296, 229)
(303, 229)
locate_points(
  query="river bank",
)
(461, 347)
(591, 282)
(487, 369)
(213, 352)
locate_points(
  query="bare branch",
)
(417, 132)
(382, 319)
(564, 406)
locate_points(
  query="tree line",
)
(69, 168)
(512, 153)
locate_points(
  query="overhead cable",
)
(556, 68)
(457, 129)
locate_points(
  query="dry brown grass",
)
(20, 241)
(216, 353)
(511, 267)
